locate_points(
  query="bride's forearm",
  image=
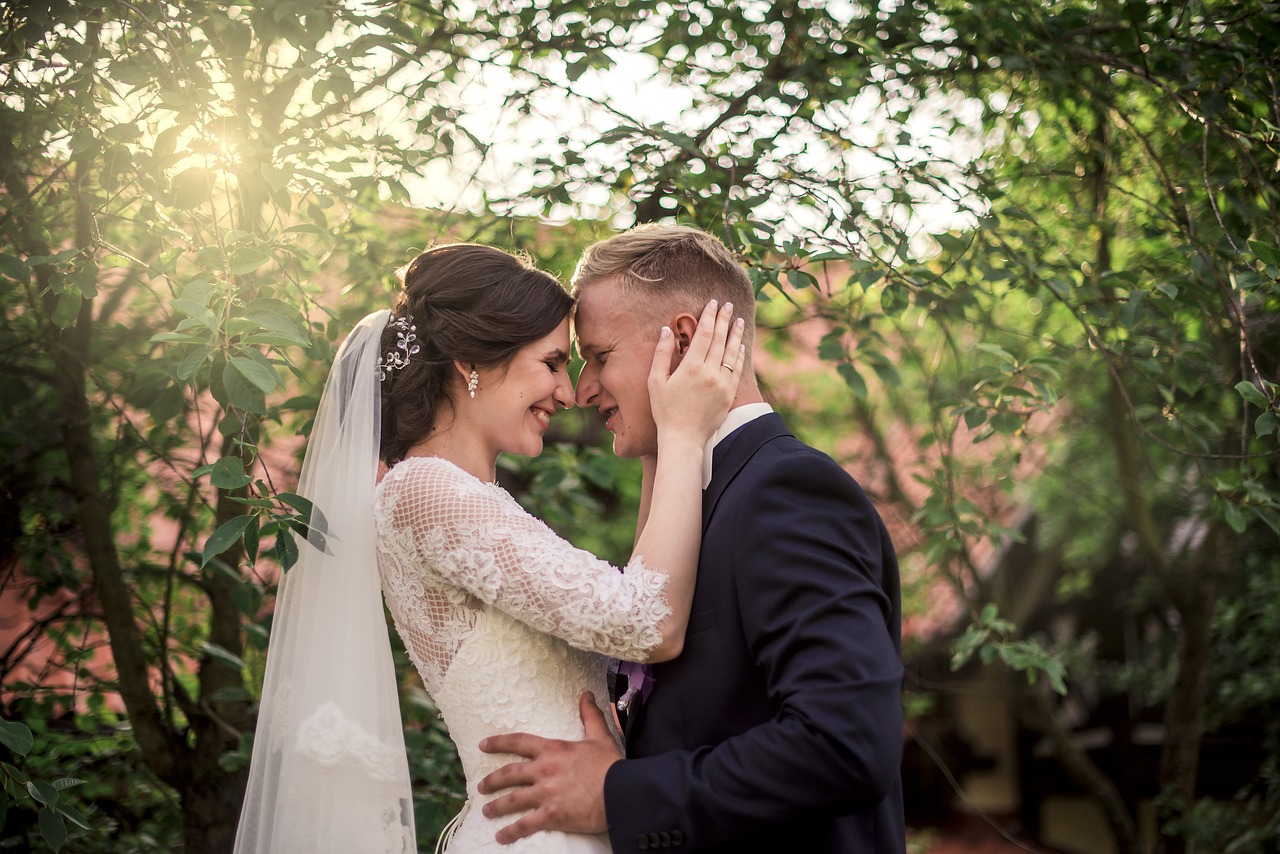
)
(671, 532)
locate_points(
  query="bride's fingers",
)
(593, 722)
(660, 368)
(704, 335)
(719, 336)
(734, 356)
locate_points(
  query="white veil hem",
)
(329, 772)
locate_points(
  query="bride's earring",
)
(473, 382)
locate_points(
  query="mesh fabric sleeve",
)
(476, 537)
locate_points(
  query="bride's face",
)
(513, 410)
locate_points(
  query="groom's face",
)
(617, 343)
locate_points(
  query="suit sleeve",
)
(810, 556)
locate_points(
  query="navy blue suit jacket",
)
(779, 727)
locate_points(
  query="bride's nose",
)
(564, 391)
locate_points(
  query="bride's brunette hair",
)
(473, 304)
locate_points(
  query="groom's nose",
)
(588, 386)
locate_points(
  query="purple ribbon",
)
(639, 681)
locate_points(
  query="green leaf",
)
(223, 538)
(255, 372)
(14, 268)
(228, 473)
(53, 829)
(190, 188)
(191, 363)
(65, 783)
(14, 773)
(831, 347)
(73, 814)
(230, 694)
(196, 311)
(42, 792)
(16, 736)
(252, 534)
(999, 352)
(1269, 254)
(65, 313)
(1265, 424)
(246, 260)
(222, 656)
(297, 502)
(242, 394)
(286, 550)
(1234, 514)
(852, 378)
(306, 228)
(1252, 394)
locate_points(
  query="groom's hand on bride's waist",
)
(560, 784)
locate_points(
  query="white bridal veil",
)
(329, 773)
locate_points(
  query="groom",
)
(779, 727)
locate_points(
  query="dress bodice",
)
(506, 622)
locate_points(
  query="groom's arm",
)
(810, 559)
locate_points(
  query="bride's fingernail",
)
(740, 323)
(728, 306)
(665, 333)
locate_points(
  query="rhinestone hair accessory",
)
(406, 346)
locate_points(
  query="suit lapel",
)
(730, 457)
(733, 453)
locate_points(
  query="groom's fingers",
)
(519, 743)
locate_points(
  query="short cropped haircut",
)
(669, 269)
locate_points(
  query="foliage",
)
(1040, 240)
(45, 797)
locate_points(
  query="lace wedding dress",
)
(506, 622)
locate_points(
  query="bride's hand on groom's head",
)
(559, 785)
(693, 398)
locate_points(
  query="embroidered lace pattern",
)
(505, 621)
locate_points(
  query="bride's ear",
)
(463, 370)
(683, 327)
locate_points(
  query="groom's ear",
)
(683, 327)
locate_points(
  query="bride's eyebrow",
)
(558, 356)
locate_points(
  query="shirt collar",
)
(736, 418)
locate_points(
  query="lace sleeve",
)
(477, 537)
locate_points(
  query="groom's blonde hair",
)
(669, 269)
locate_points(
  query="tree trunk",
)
(1194, 593)
(1076, 762)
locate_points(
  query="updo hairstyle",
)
(473, 304)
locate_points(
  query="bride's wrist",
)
(682, 445)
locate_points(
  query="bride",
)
(506, 623)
